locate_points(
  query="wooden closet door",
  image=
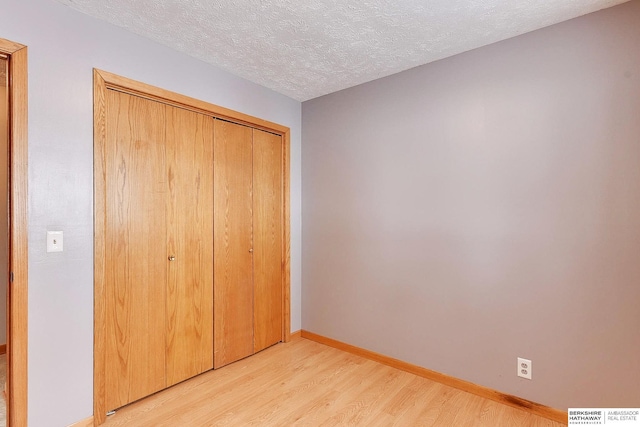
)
(135, 245)
(232, 248)
(267, 238)
(189, 333)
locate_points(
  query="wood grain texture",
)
(305, 383)
(8, 47)
(484, 392)
(104, 81)
(233, 260)
(136, 258)
(286, 239)
(17, 291)
(114, 81)
(99, 250)
(189, 335)
(267, 239)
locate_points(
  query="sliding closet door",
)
(233, 251)
(267, 238)
(135, 248)
(189, 148)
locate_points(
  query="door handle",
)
(172, 258)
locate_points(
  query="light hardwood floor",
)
(304, 383)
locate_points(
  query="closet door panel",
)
(233, 261)
(135, 240)
(189, 333)
(267, 238)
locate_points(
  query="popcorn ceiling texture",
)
(305, 49)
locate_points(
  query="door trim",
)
(103, 81)
(18, 254)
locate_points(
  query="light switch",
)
(54, 241)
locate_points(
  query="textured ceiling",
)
(307, 48)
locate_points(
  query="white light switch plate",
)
(54, 241)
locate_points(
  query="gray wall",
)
(484, 207)
(64, 46)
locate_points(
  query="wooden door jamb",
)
(18, 254)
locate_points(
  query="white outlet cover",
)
(54, 241)
(524, 368)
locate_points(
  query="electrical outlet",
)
(524, 368)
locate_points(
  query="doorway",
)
(14, 170)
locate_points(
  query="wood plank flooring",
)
(304, 383)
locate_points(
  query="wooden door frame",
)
(18, 254)
(103, 81)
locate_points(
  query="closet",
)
(191, 239)
(248, 241)
(159, 244)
